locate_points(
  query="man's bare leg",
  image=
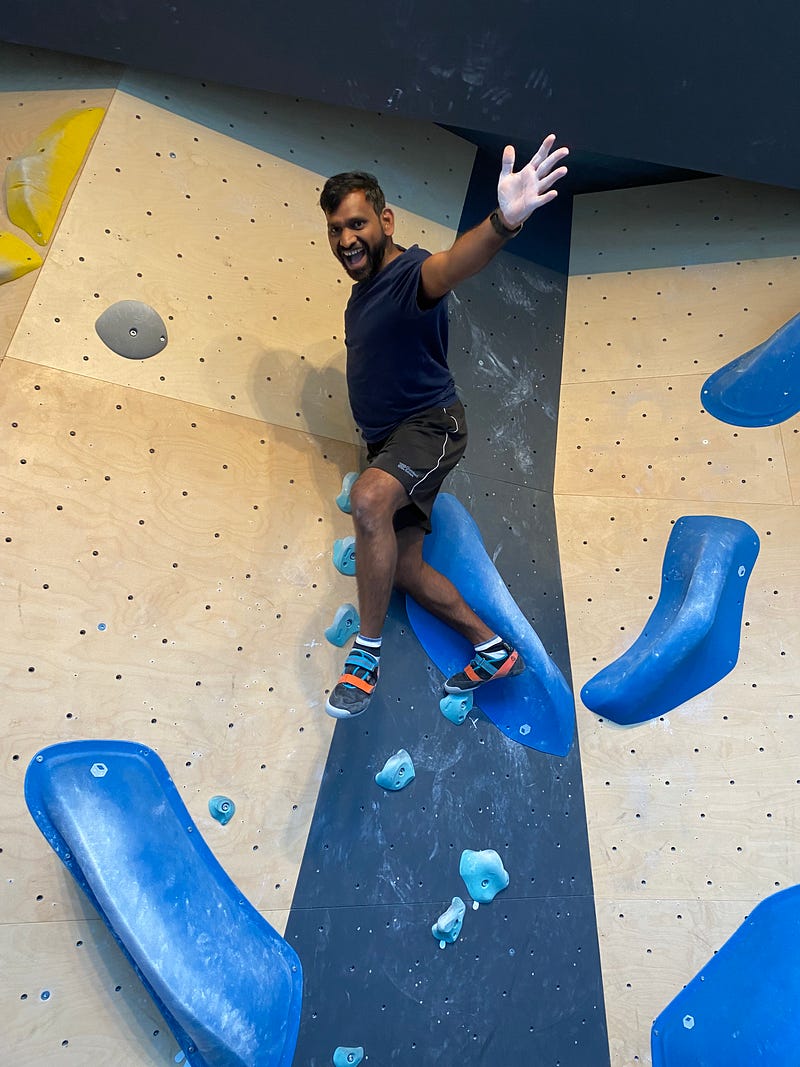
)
(433, 591)
(374, 498)
(494, 657)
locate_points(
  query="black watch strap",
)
(500, 228)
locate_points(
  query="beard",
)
(372, 263)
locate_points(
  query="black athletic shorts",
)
(420, 453)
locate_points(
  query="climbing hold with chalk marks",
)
(484, 875)
(37, 181)
(448, 926)
(348, 1057)
(222, 809)
(691, 639)
(344, 555)
(132, 329)
(344, 625)
(456, 706)
(343, 499)
(759, 388)
(16, 258)
(397, 773)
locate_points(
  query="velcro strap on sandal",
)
(483, 669)
(506, 665)
(359, 668)
(359, 683)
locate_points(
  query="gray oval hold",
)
(132, 329)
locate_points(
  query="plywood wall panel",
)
(704, 221)
(675, 320)
(650, 437)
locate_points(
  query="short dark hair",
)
(351, 181)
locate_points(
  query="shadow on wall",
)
(305, 391)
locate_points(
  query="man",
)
(404, 402)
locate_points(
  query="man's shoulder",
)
(409, 261)
(407, 256)
(416, 253)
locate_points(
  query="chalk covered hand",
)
(520, 194)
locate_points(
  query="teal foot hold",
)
(343, 499)
(484, 875)
(222, 809)
(344, 555)
(456, 706)
(344, 625)
(448, 926)
(397, 773)
(347, 1057)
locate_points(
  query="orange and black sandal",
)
(506, 662)
(352, 693)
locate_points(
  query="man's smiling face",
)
(358, 236)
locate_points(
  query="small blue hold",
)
(456, 706)
(344, 555)
(347, 1057)
(344, 625)
(101, 626)
(222, 809)
(483, 873)
(343, 499)
(448, 926)
(397, 773)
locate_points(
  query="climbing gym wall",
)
(167, 523)
(692, 815)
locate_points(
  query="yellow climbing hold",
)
(38, 180)
(16, 258)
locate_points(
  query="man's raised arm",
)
(518, 196)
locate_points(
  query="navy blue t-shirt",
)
(396, 350)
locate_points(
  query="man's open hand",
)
(520, 194)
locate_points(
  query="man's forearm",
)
(469, 254)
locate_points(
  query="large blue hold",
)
(536, 708)
(762, 387)
(226, 982)
(741, 1009)
(691, 639)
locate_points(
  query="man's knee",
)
(374, 500)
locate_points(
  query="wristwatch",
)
(500, 228)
